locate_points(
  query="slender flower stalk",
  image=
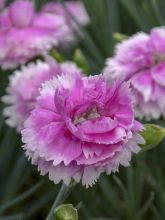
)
(62, 195)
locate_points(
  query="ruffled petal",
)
(158, 74)
(144, 84)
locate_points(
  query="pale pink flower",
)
(24, 87)
(25, 33)
(141, 59)
(80, 128)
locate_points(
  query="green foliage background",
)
(137, 192)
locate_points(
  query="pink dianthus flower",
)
(25, 33)
(141, 59)
(80, 128)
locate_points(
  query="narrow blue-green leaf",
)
(122, 187)
(147, 205)
(6, 144)
(14, 179)
(156, 212)
(136, 12)
(113, 18)
(20, 198)
(157, 12)
(34, 207)
(108, 192)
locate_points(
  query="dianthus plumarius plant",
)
(79, 118)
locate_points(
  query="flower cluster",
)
(81, 127)
(23, 89)
(25, 33)
(141, 59)
(75, 127)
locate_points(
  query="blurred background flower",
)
(141, 59)
(26, 33)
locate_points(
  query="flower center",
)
(158, 58)
(88, 115)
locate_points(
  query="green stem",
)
(62, 195)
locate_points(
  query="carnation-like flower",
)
(25, 33)
(24, 87)
(141, 59)
(80, 128)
